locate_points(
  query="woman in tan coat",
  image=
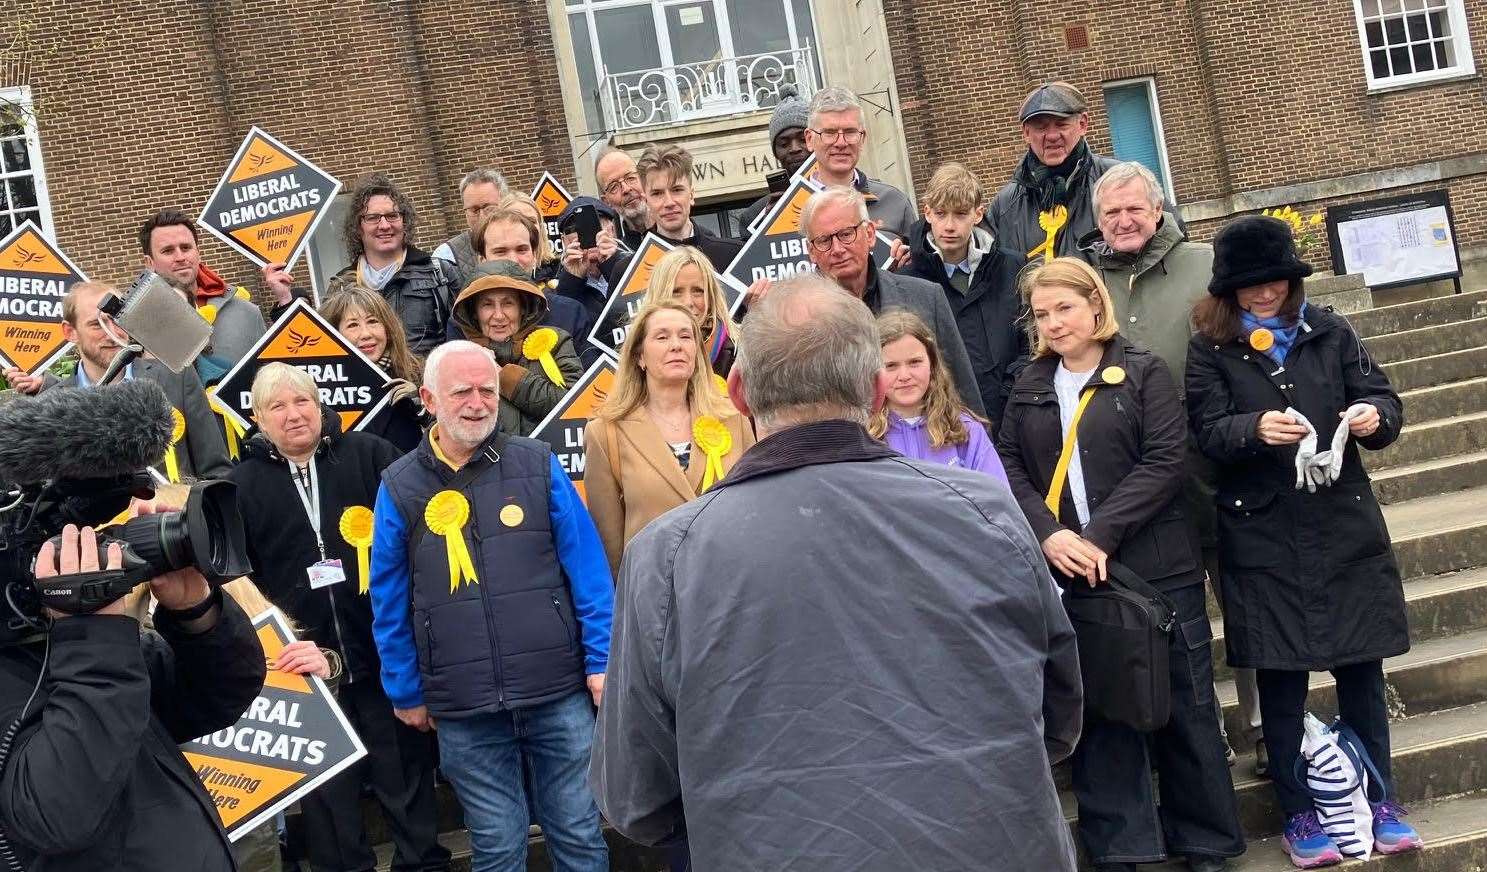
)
(666, 433)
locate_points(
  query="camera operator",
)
(94, 778)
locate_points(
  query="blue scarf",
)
(1285, 336)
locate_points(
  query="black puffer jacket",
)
(95, 778)
(1310, 579)
(281, 542)
(1131, 448)
(986, 313)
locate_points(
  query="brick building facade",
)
(139, 106)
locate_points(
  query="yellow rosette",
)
(539, 346)
(177, 433)
(208, 313)
(446, 515)
(709, 434)
(721, 384)
(356, 529)
(230, 426)
(1261, 339)
(1052, 222)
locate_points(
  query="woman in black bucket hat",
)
(1280, 396)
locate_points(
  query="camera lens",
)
(207, 535)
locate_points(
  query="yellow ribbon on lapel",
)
(1052, 221)
(539, 346)
(356, 529)
(709, 434)
(446, 515)
(177, 433)
(230, 426)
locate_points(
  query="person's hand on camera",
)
(899, 255)
(183, 588)
(24, 383)
(574, 260)
(78, 554)
(606, 246)
(303, 658)
(1278, 428)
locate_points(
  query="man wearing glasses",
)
(480, 189)
(620, 188)
(379, 240)
(838, 128)
(839, 233)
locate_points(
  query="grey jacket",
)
(205, 454)
(926, 300)
(238, 325)
(871, 691)
(890, 207)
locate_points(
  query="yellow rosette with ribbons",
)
(539, 346)
(356, 529)
(713, 438)
(446, 515)
(230, 426)
(1052, 221)
(177, 433)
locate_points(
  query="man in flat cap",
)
(1059, 169)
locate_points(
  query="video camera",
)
(78, 457)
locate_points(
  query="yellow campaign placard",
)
(292, 739)
(34, 277)
(349, 383)
(563, 427)
(551, 199)
(268, 201)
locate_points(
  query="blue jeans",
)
(482, 758)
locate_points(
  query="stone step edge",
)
(1421, 466)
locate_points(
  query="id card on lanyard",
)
(323, 572)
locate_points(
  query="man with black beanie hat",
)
(787, 143)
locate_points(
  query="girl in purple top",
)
(923, 417)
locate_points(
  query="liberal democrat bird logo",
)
(300, 341)
(24, 257)
(257, 160)
(549, 202)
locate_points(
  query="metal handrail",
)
(706, 89)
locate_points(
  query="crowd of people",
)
(813, 609)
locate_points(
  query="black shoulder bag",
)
(1123, 629)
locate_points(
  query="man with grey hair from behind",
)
(480, 189)
(837, 658)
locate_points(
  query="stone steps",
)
(1441, 533)
(1427, 341)
(1431, 312)
(1425, 371)
(1432, 440)
(1400, 484)
(1445, 401)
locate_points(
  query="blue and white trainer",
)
(1390, 834)
(1308, 845)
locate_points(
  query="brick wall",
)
(141, 105)
(1253, 94)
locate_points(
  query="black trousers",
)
(400, 767)
(1360, 701)
(1119, 819)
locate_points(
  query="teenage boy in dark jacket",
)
(95, 778)
(298, 465)
(952, 248)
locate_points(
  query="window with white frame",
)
(1406, 42)
(23, 195)
(648, 62)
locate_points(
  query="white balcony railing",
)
(724, 86)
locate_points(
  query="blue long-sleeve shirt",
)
(579, 550)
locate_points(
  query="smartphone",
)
(777, 182)
(586, 223)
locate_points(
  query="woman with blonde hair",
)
(365, 319)
(666, 433)
(685, 275)
(923, 416)
(1094, 439)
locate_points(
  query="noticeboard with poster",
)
(776, 250)
(34, 277)
(551, 199)
(350, 384)
(292, 739)
(1396, 240)
(563, 427)
(268, 201)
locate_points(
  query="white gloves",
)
(1323, 468)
